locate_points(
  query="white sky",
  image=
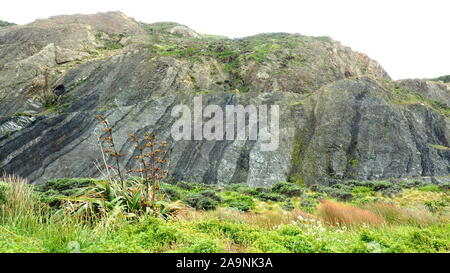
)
(411, 39)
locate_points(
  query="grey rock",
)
(340, 116)
(184, 31)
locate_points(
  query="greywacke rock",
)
(341, 116)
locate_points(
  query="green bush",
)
(445, 78)
(412, 184)
(287, 189)
(240, 202)
(361, 190)
(262, 189)
(239, 187)
(5, 24)
(65, 186)
(431, 188)
(339, 193)
(264, 196)
(381, 185)
(186, 185)
(198, 201)
(54, 190)
(435, 205)
(171, 192)
(211, 194)
(309, 205)
(288, 205)
(445, 186)
(202, 245)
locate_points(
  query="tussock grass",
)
(343, 214)
(396, 215)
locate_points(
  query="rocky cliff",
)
(341, 116)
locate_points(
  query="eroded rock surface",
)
(341, 116)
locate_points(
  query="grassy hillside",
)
(373, 216)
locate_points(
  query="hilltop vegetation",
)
(445, 79)
(5, 24)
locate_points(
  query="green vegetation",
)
(5, 24)
(232, 219)
(231, 54)
(440, 147)
(405, 96)
(445, 79)
(110, 41)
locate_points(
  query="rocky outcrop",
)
(184, 31)
(436, 91)
(341, 116)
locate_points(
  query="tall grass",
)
(396, 215)
(21, 208)
(23, 215)
(336, 213)
(267, 220)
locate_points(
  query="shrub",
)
(362, 191)
(411, 184)
(391, 192)
(262, 189)
(287, 189)
(435, 205)
(342, 214)
(445, 186)
(263, 196)
(309, 205)
(249, 191)
(53, 191)
(381, 185)
(171, 192)
(203, 245)
(445, 78)
(5, 24)
(199, 201)
(185, 185)
(340, 194)
(239, 187)
(431, 188)
(241, 202)
(288, 205)
(211, 194)
(65, 186)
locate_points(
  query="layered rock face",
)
(341, 116)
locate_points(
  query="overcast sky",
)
(411, 39)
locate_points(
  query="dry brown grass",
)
(335, 213)
(396, 215)
(271, 219)
(391, 213)
(268, 219)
